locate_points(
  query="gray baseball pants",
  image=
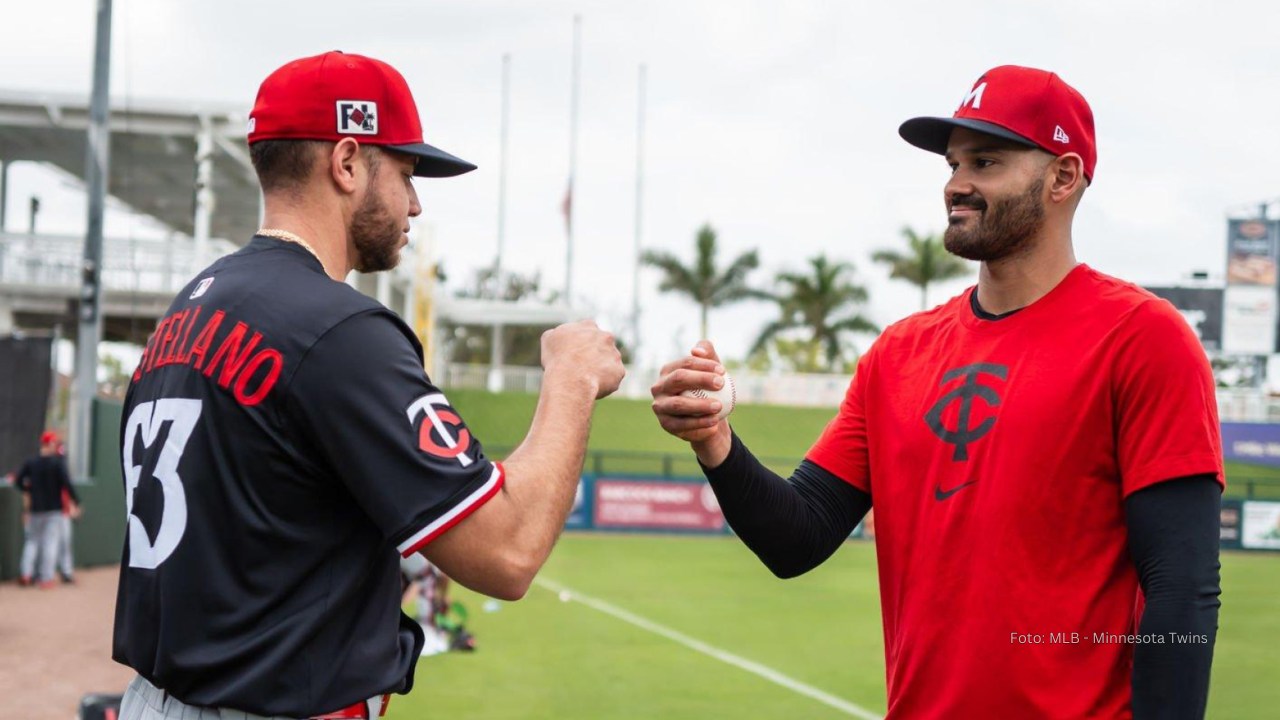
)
(42, 541)
(144, 701)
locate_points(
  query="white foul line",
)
(724, 656)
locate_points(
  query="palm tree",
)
(703, 281)
(926, 261)
(819, 302)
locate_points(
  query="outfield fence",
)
(1239, 405)
(1253, 488)
(621, 490)
(677, 466)
(660, 465)
(773, 388)
(627, 491)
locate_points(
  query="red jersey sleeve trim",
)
(821, 458)
(1174, 468)
(456, 514)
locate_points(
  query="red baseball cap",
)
(335, 96)
(1022, 104)
(48, 436)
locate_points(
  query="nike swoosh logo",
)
(939, 494)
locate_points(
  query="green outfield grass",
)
(621, 424)
(1247, 662)
(1256, 481)
(544, 658)
(629, 439)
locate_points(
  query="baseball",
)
(727, 395)
(565, 596)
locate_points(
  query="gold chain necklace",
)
(288, 237)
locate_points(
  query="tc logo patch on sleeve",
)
(440, 430)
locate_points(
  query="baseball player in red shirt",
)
(1042, 452)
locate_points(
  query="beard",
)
(1001, 229)
(376, 236)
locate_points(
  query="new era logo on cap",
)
(1025, 105)
(357, 117)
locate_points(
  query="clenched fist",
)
(689, 418)
(581, 349)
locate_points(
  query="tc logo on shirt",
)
(965, 394)
(441, 432)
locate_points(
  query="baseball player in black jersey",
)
(281, 442)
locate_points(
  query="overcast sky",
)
(775, 121)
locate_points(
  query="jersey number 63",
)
(145, 423)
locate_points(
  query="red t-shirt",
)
(997, 454)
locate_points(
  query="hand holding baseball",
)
(584, 350)
(692, 398)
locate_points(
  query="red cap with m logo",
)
(1025, 105)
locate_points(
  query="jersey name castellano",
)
(281, 444)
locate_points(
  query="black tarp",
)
(26, 379)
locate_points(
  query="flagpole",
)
(635, 281)
(502, 166)
(96, 176)
(573, 158)
(495, 344)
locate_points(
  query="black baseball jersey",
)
(280, 442)
(45, 477)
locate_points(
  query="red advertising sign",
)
(656, 505)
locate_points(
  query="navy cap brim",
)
(432, 161)
(933, 133)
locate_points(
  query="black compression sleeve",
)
(1173, 540)
(791, 525)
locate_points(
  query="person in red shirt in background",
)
(1042, 452)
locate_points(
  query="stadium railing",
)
(156, 265)
(1253, 488)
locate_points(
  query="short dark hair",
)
(284, 164)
